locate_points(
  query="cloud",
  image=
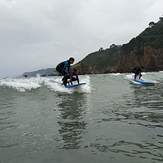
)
(36, 34)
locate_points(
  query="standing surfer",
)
(137, 71)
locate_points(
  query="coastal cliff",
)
(145, 50)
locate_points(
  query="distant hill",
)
(144, 50)
(42, 72)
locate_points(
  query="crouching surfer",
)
(69, 74)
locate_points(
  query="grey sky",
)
(37, 34)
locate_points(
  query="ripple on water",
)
(144, 150)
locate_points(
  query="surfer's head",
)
(71, 60)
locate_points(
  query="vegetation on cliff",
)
(145, 50)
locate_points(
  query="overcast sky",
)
(38, 34)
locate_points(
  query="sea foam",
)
(52, 83)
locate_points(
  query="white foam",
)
(115, 74)
(52, 83)
(56, 85)
(129, 76)
(20, 84)
(85, 88)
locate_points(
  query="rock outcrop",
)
(146, 50)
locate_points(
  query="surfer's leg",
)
(77, 78)
(140, 75)
(64, 80)
(135, 76)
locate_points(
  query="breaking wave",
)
(52, 83)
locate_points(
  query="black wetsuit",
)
(64, 69)
(137, 71)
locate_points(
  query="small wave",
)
(21, 84)
(129, 76)
(116, 74)
(54, 84)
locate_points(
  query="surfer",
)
(137, 71)
(73, 77)
(64, 68)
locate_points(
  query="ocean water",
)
(109, 120)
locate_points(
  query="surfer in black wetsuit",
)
(64, 68)
(137, 71)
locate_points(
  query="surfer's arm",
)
(66, 68)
